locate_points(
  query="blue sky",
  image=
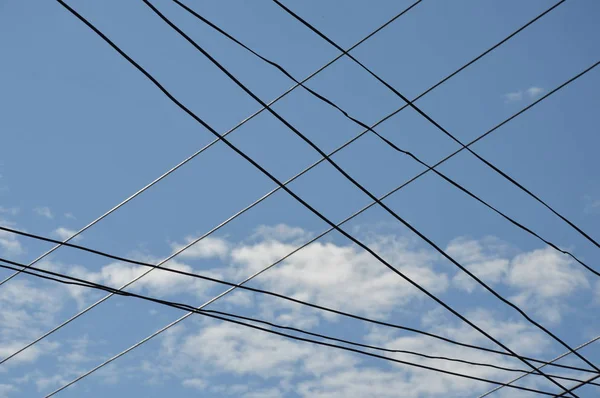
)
(82, 130)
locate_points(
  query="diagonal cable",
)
(385, 140)
(181, 106)
(437, 125)
(69, 280)
(549, 363)
(365, 191)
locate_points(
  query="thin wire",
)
(69, 280)
(498, 44)
(254, 290)
(552, 361)
(240, 124)
(523, 110)
(368, 193)
(182, 318)
(250, 160)
(385, 140)
(439, 127)
(199, 120)
(210, 313)
(570, 390)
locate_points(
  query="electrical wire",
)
(199, 120)
(471, 62)
(368, 193)
(550, 362)
(437, 125)
(570, 390)
(240, 124)
(224, 316)
(496, 127)
(385, 140)
(254, 290)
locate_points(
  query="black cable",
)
(269, 293)
(274, 179)
(583, 383)
(373, 197)
(430, 120)
(224, 316)
(385, 140)
(365, 208)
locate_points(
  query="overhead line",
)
(251, 289)
(223, 316)
(365, 191)
(436, 124)
(385, 140)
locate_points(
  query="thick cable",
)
(436, 124)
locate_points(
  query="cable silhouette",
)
(202, 122)
(373, 197)
(240, 124)
(385, 140)
(497, 126)
(69, 280)
(199, 120)
(225, 318)
(570, 390)
(254, 290)
(437, 125)
(523, 110)
(552, 361)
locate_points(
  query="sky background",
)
(82, 130)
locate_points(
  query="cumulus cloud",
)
(44, 212)
(208, 247)
(10, 244)
(516, 96)
(63, 233)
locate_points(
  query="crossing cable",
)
(222, 294)
(437, 125)
(385, 140)
(73, 281)
(497, 126)
(523, 110)
(570, 390)
(224, 316)
(199, 120)
(549, 363)
(254, 290)
(240, 124)
(369, 194)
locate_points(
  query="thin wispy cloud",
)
(44, 212)
(529, 93)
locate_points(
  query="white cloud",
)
(63, 234)
(280, 232)
(11, 211)
(44, 212)
(10, 244)
(330, 274)
(208, 247)
(5, 389)
(70, 216)
(196, 383)
(515, 96)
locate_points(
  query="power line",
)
(437, 125)
(498, 44)
(549, 363)
(287, 189)
(570, 390)
(254, 290)
(240, 124)
(364, 190)
(69, 280)
(497, 126)
(210, 313)
(385, 140)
